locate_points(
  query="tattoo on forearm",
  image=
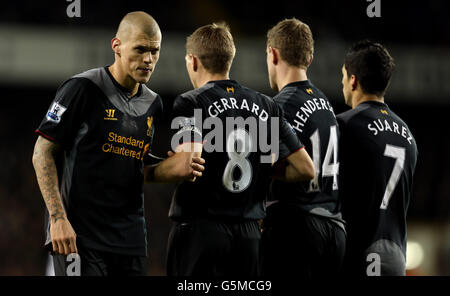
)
(47, 176)
(57, 215)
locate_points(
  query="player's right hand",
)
(197, 166)
(63, 237)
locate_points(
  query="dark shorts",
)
(298, 244)
(214, 248)
(98, 263)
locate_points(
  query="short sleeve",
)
(159, 113)
(185, 123)
(63, 119)
(156, 120)
(151, 159)
(155, 123)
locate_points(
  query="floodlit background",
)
(40, 47)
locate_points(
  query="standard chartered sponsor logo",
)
(114, 139)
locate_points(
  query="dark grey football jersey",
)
(378, 157)
(106, 138)
(310, 113)
(235, 182)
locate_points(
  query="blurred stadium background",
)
(40, 47)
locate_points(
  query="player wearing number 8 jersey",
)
(378, 157)
(304, 234)
(216, 230)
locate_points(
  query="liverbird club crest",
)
(149, 126)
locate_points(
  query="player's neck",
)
(207, 77)
(289, 75)
(123, 79)
(362, 97)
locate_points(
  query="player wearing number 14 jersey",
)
(216, 230)
(378, 157)
(304, 234)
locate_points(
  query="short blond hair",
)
(294, 40)
(213, 44)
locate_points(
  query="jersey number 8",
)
(239, 145)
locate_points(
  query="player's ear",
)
(191, 62)
(195, 62)
(275, 55)
(115, 45)
(353, 82)
(310, 59)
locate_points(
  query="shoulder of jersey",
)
(307, 91)
(257, 93)
(313, 90)
(350, 114)
(389, 112)
(91, 74)
(194, 93)
(77, 82)
(285, 93)
(90, 77)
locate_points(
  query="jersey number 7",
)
(399, 154)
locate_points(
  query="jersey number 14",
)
(330, 166)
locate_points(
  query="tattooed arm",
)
(62, 234)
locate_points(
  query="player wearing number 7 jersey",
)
(378, 157)
(303, 233)
(216, 230)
